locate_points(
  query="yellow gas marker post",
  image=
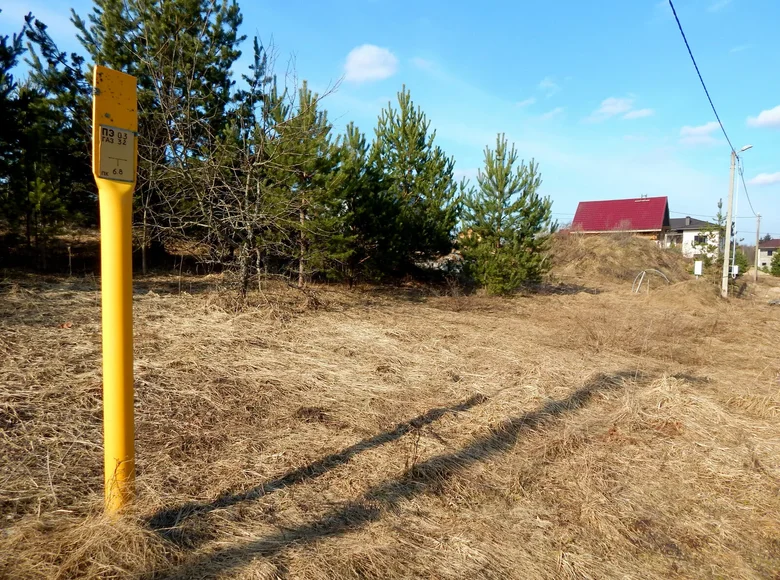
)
(114, 154)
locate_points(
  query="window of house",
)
(769, 252)
(700, 239)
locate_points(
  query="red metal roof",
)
(769, 244)
(636, 214)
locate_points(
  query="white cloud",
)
(550, 114)
(768, 118)
(739, 48)
(636, 138)
(548, 86)
(369, 63)
(614, 106)
(765, 179)
(700, 135)
(525, 103)
(610, 107)
(639, 114)
(423, 63)
(467, 173)
(718, 5)
(662, 11)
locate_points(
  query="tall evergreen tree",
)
(363, 238)
(420, 176)
(12, 105)
(182, 53)
(774, 265)
(64, 112)
(45, 179)
(236, 205)
(11, 49)
(504, 222)
(709, 244)
(303, 167)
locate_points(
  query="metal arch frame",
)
(641, 277)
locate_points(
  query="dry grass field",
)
(582, 432)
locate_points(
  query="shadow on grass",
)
(167, 521)
(169, 283)
(159, 283)
(561, 288)
(385, 496)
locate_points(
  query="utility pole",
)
(724, 289)
(758, 229)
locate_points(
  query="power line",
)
(744, 186)
(691, 214)
(686, 214)
(696, 66)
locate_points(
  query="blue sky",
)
(601, 93)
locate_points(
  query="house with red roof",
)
(766, 251)
(643, 216)
(647, 217)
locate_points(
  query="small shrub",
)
(774, 267)
(742, 261)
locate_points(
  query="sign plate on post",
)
(117, 154)
(114, 129)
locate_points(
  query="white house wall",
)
(689, 237)
(765, 258)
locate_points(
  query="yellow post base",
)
(117, 290)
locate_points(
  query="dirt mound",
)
(613, 258)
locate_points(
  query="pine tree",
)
(774, 266)
(253, 222)
(65, 111)
(363, 214)
(420, 177)
(237, 205)
(708, 246)
(11, 49)
(304, 159)
(182, 53)
(741, 261)
(46, 179)
(504, 222)
(11, 128)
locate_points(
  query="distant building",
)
(644, 216)
(766, 251)
(692, 235)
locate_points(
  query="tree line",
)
(250, 176)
